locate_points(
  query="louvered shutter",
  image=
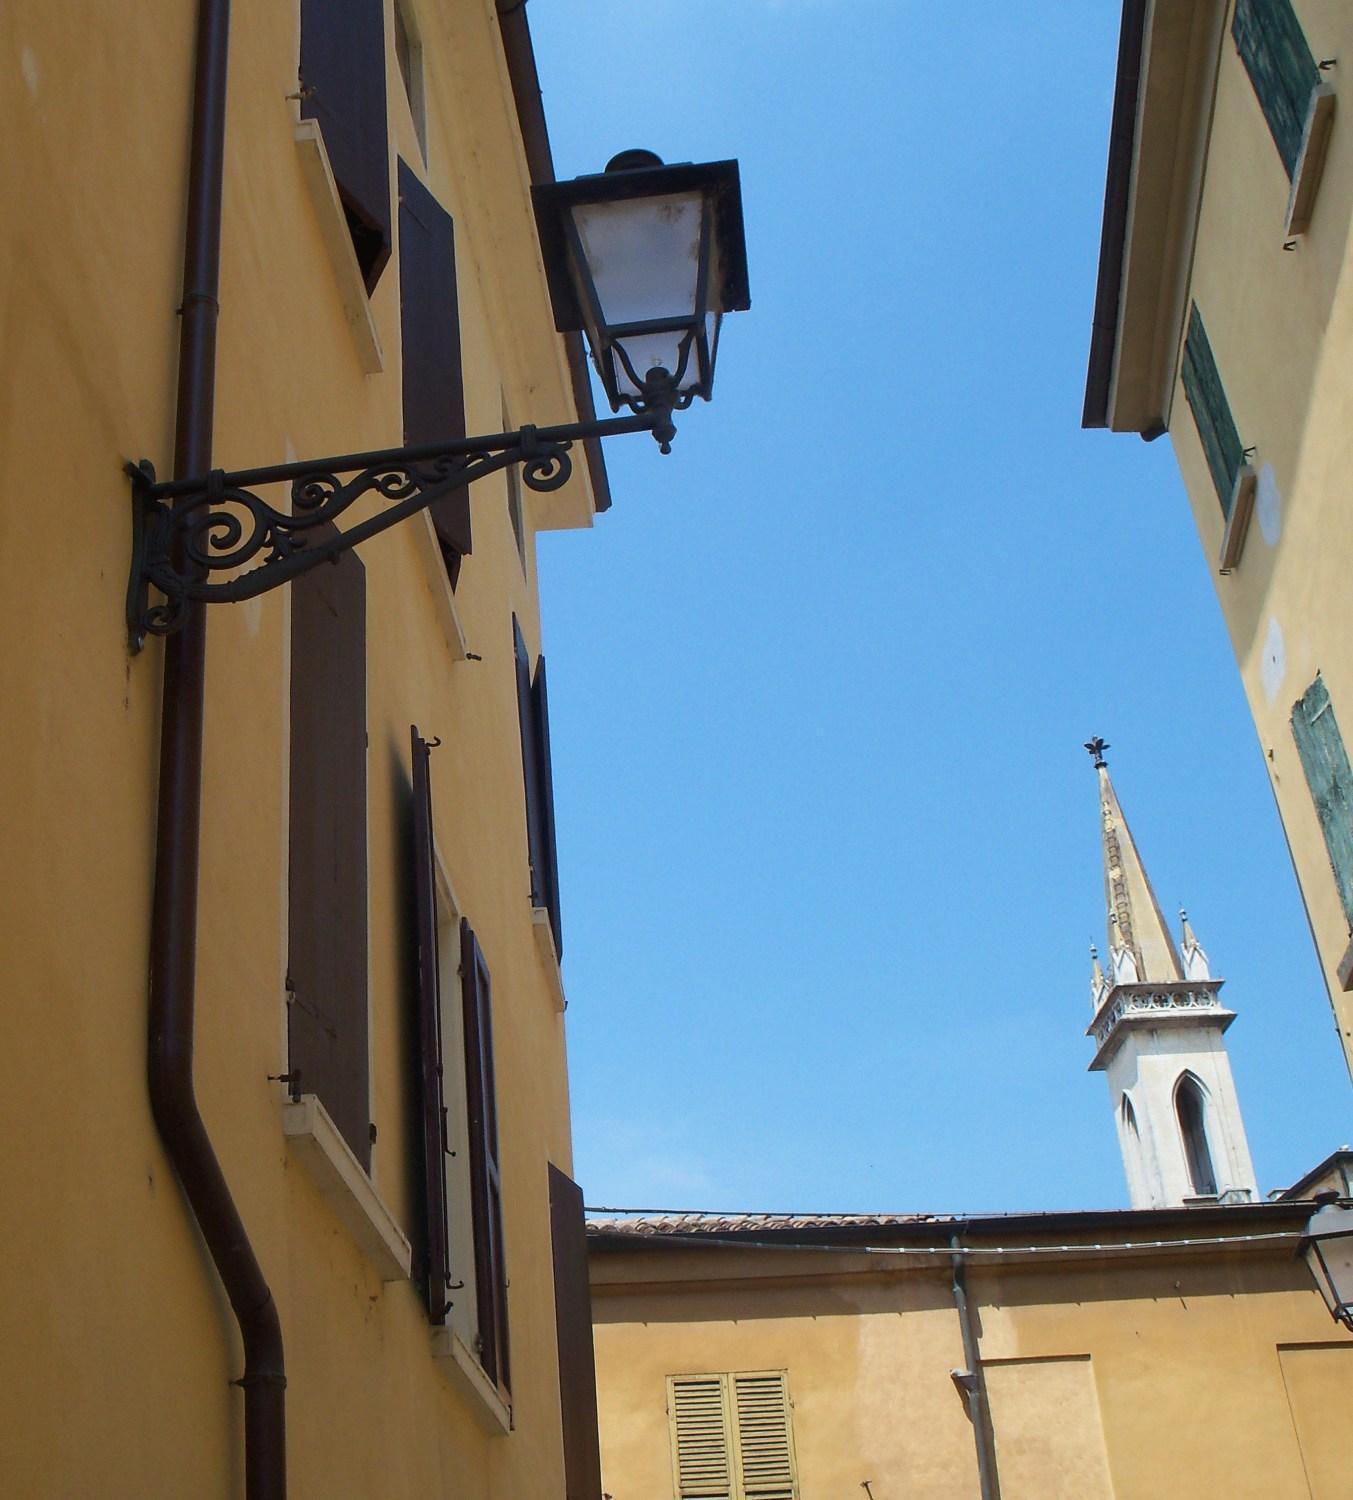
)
(1206, 396)
(764, 1447)
(573, 1331)
(1274, 50)
(343, 87)
(700, 1423)
(327, 918)
(1325, 762)
(486, 1187)
(432, 1107)
(432, 372)
(548, 853)
(530, 764)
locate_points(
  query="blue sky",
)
(820, 680)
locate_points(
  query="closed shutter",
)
(765, 1454)
(432, 373)
(327, 918)
(698, 1409)
(573, 1332)
(731, 1436)
(486, 1186)
(549, 855)
(432, 1106)
(1325, 762)
(1206, 396)
(1282, 70)
(343, 87)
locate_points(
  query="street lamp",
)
(646, 258)
(1328, 1250)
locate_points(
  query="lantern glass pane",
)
(655, 351)
(1337, 1251)
(644, 256)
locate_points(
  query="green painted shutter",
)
(1206, 396)
(698, 1410)
(1273, 48)
(765, 1450)
(1325, 762)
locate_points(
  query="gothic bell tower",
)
(1159, 1033)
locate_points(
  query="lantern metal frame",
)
(187, 532)
(1332, 1220)
(573, 291)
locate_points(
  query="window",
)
(433, 389)
(533, 712)
(1190, 1108)
(1129, 1121)
(1206, 396)
(461, 1264)
(1325, 762)
(731, 1436)
(515, 512)
(409, 53)
(573, 1336)
(327, 896)
(1284, 74)
(343, 87)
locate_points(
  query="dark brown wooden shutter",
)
(432, 1107)
(433, 376)
(327, 942)
(549, 855)
(573, 1331)
(486, 1187)
(530, 764)
(343, 86)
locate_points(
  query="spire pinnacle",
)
(1141, 950)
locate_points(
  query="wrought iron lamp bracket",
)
(188, 532)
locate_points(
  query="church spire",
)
(1141, 950)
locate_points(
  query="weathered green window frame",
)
(1330, 780)
(1206, 396)
(1282, 70)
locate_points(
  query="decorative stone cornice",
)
(1135, 1005)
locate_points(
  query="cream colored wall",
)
(1281, 327)
(1136, 1378)
(116, 1347)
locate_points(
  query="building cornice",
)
(1129, 1007)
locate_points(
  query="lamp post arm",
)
(185, 531)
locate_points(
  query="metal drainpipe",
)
(974, 1387)
(173, 943)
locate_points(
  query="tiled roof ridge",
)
(707, 1223)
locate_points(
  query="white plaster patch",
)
(252, 609)
(1268, 505)
(28, 66)
(1273, 663)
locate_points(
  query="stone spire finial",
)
(1196, 965)
(1097, 747)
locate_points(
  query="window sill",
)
(443, 596)
(489, 1409)
(549, 959)
(319, 178)
(1238, 518)
(1315, 142)
(346, 1188)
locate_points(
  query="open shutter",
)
(1278, 59)
(764, 1447)
(530, 764)
(433, 377)
(432, 1107)
(573, 1330)
(1325, 762)
(486, 1187)
(1206, 396)
(327, 918)
(343, 87)
(548, 854)
(697, 1406)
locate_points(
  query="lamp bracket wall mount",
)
(187, 532)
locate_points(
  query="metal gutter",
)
(173, 939)
(1117, 193)
(972, 1382)
(521, 69)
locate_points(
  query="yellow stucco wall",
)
(116, 1346)
(1281, 326)
(1110, 1377)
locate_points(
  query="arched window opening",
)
(1189, 1106)
(1129, 1119)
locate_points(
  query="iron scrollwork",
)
(188, 531)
